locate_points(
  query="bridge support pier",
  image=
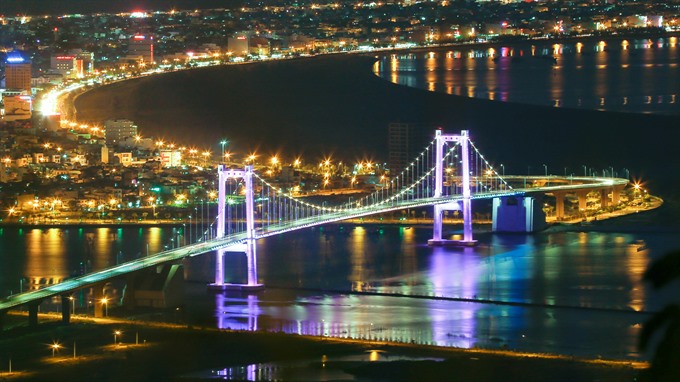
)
(65, 309)
(559, 205)
(3, 314)
(466, 203)
(582, 200)
(33, 313)
(517, 214)
(604, 198)
(249, 247)
(101, 308)
(616, 196)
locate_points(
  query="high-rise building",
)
(18, 73)
(239, 45)
(118, 130)
(73, 65)
(405, 141)
(140, 48)
(84, 63)
(64, 65)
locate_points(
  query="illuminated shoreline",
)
(442, 351)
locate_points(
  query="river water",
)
(559, 291)
(626, 75)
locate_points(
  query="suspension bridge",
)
(448, 175)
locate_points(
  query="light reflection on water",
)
(564, 292)
(36, 257)
(618, 75)
(568, 292)
(324, 368)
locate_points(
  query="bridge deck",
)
(70, 285)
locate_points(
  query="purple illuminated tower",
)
(464, 205)
(249, 246)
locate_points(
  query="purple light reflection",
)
(235, 313)
(454, 269)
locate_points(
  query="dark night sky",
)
(12, 7)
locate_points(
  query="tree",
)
(666, 361)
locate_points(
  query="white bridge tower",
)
(249, 245)
(465, 204)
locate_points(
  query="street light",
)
(116, 333)
(503, 168)
(251, 158)
(545, 167)
(55, 346)
(223, 143)
(153, 205)
(73, 303)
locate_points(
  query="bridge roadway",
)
(70, 285)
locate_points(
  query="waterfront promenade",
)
(654, 203)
